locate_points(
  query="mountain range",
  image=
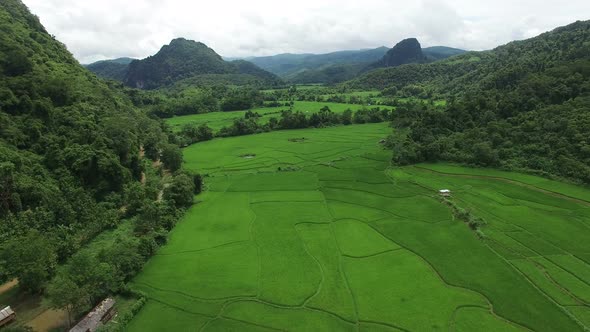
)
(344, 65)
(185, 59)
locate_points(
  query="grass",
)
(321, 234)
(333, 295)
(534, 181)
(155, 316)
(356, 239)
(217, 120)
(406, 287)
(469, 319)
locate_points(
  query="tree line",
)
(289, 119)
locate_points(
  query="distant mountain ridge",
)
(407, 51)
(410, 51)
(188, 60)
(289, 64)
(115, 69)
(434, 53)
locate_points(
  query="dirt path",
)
(522, 184)
(7, 286)
(49, 320)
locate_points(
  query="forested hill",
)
(111, 69)
(473, 69)
(435, 53)
(186, 59)
(69, 151)
(525, 105)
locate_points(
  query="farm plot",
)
(319, 234)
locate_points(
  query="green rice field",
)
(313, 230)
(217, 120)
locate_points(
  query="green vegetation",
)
(373, 247)
(297, 115)
(185, 59)
(111, 69)
(218, 120)
(305, 225)
(77, 160)
(523, 106)
(286, 65)
(336, 67)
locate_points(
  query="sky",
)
(107, 29)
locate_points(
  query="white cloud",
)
(95, 30)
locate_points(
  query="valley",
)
(333, 186)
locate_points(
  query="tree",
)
(64, 293)
(347, 117)
(93, 277)
(123, 255)
(181, 190)
(484, 154)
(171, 156)
(204, 133)
(198, 181)
(148, 219)
(17, 63)
(31, 259)
(134, 195)
(8, 199)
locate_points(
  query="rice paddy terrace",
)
(311, 230)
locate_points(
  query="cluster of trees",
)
(191, 134)
(532, 114)
(95, 272)
(315, 93)
(290, 119)
(184, 99)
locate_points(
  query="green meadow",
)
(217, 120)
(313, 230)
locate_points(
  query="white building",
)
(445, 192)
